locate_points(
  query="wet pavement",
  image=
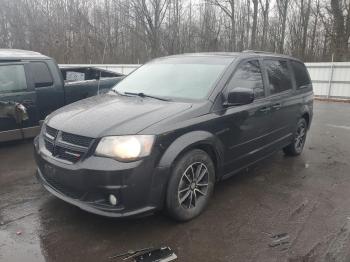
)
(306, 200)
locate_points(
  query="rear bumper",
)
(138, 186)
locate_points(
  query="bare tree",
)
(228, 7)
(305, 16)
(341, 15)
(255, 22)
(282, 6)
(316, 14)
(265, 12)
(151, 14)
(134, 31)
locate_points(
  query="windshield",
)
(185, 77)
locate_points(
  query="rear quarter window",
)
(41, 74)
(302, 78)
(72, 76)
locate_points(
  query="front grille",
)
(51, 131)
(76, 140)
(66, 146)
(68, 154)
(49, 146)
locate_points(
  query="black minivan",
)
(166, 133)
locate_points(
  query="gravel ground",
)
(282, 209)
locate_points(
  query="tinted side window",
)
(41, 74)
(248, 75)
(279, 76)
(301, 75)
(12, 78)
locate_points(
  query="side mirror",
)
(239, 96)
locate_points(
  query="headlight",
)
(125, 148)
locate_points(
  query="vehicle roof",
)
(17, 54)
(243, 54)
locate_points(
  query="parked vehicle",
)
(32, 86)
(171, 129)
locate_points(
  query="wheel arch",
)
(203, 140)
(306, 114)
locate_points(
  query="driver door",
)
(248, 125)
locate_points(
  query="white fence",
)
(331, 80)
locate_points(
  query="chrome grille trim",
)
(64, 151)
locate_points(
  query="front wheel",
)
(296, 147)
(191, 185)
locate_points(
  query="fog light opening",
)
(113, 200)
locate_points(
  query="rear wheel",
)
(191, 185)
(296, 147)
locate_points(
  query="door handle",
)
(277, 106)
(264, 109)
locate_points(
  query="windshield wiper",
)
(118, 93)
(145, 95)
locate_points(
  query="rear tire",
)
(190, 186)
(296, 147)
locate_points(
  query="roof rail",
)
(256, 51)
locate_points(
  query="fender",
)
(191, 140)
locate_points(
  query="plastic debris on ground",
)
(163, 254)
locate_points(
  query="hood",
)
(112, 114)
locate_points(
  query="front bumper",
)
(138, 186)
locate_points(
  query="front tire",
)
(191, 185)
(296, 147)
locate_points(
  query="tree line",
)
(134, 31)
